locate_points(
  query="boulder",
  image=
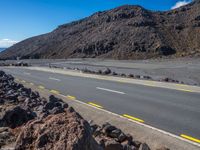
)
(131, 76)
(163, 148)
(34, 94)
(99, 72)
(15, 116)
(123, 75)
(121, 138)
(113, 145)
(114, 74)
(115, 133)
(107, 71)
(144, 146)
(6, 136)
(108, 128)
(129, 147)
(60, 132)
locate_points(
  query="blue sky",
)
(21, 19)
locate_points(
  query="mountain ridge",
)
(125, 32)
(2, 49)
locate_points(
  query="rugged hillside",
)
(126, 32)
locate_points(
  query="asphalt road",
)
(175, 111)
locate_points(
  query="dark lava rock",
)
(112, 145)
(15, 117)
(114, 73)
(108, 128)
(144, 146)
(99, 72)
(131, 76)
(107, 71)
(163, 148)
(6, 137)
(129, 147)
(115, 133)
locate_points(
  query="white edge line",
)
(142, 124)
(109, 90)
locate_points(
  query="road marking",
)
(121, 81)
(147, 84)
(54, 79)
(27, 73)
(54, 91)
(71, 97)
(190, 138)
(182, 85)
(41, 87)
(17, 79)
(109, 90)
(31, 83)
(95, 105)
(133, 118)
(185, 90)
(23, 81)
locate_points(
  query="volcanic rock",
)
(14, 117)
(61, 131)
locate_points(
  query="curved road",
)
(175, 111)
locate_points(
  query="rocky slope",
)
(126, 32)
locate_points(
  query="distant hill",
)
(1, 49)
(126, 32)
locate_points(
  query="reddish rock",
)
(64, 131)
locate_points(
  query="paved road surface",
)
(177, 112)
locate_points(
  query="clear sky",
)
(21, 19)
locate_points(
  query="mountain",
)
(126, 32)
(1, 49)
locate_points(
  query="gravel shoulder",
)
(185, 70)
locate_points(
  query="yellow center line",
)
(41, 87)
(133, 118)
(121, 81)
(190, 138)
(23, 81)
(185, 90)
(71, 97)
(31, 83)
(95, 105)
(54, 91)
(183, 85)
(148, 84)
